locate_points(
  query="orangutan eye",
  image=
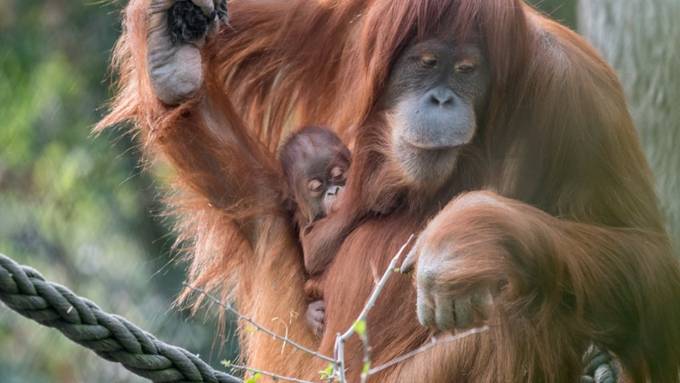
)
(428, 60)
(315, 185)
(337, 173)
(465, 66)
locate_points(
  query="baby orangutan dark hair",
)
(314, 162)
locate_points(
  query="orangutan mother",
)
(502, 129)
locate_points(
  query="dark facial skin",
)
(315, 162)
(435, 93)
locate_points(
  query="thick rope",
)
(113, 338)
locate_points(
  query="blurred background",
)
(79, 209)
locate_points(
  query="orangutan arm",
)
(218, 162)
(184, 115)
(556, 284)
(186, 79)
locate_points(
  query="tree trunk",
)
(641, 39)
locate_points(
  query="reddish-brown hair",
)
(556, 138)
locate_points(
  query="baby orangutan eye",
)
(315, 185)
(337, 173)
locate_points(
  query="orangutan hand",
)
(461, 263)
(176, 31)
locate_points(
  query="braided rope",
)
(112, 337)
(115, 339)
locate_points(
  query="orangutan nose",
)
(441, 96)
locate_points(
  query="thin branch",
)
(435, 342)
(361, 321)
(378, 288)
(340, 357)
(359, 327)
(266, 373)
(367, 357)
(259, 327)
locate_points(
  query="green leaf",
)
(366, 368)
(254, 379)
(327, 372)
(360, 327)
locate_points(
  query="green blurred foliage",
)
(73, 206)
(563, 11)
(77, 207)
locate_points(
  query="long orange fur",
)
(590, 259)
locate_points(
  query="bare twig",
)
(276, 377)
(259, 327)
(435, 342)
(367, 357)
(340, 357)
(378, 288)
(359, 326)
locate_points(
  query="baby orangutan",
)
(314, 161)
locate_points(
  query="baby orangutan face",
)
(315, 163)
(323, 189)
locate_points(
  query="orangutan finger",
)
(445, 316)
(425, 307)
